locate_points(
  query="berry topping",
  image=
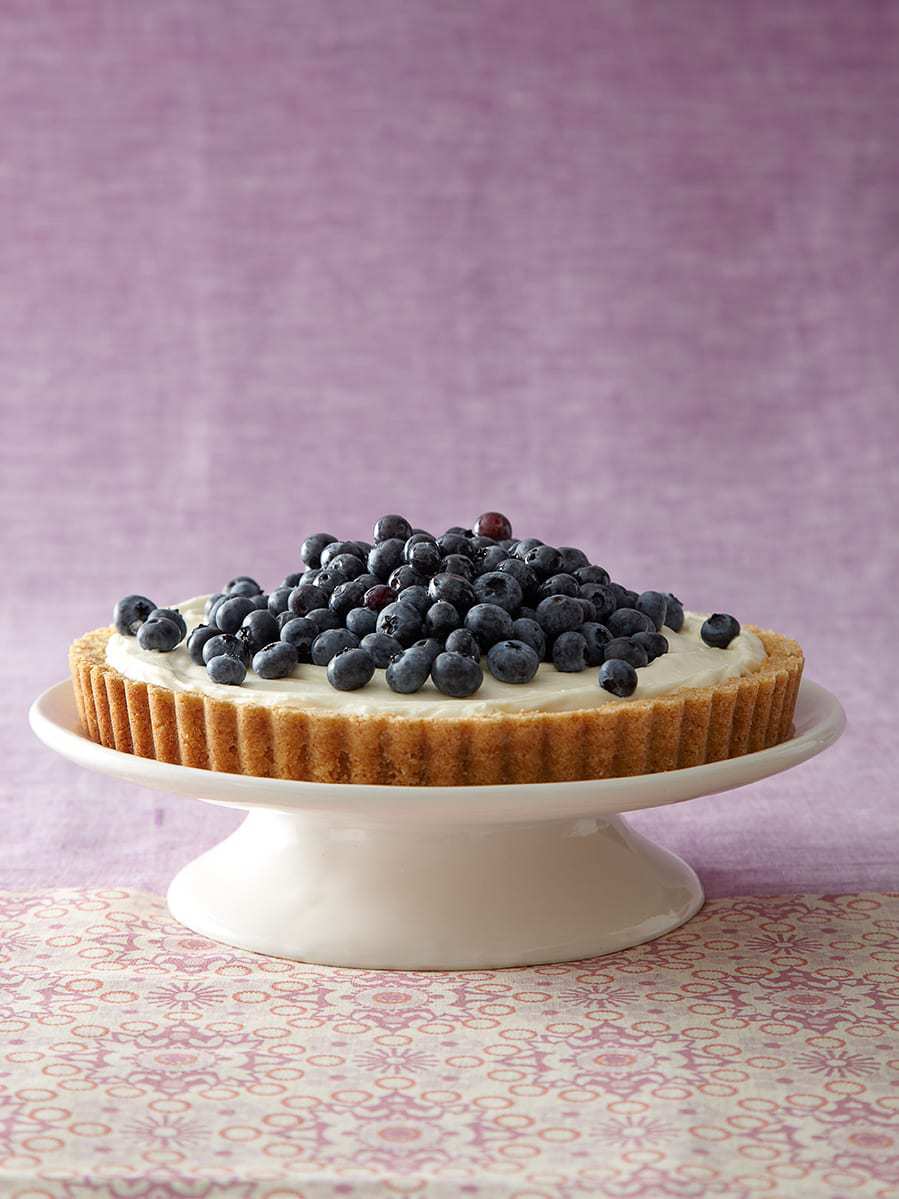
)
(382, 647)
(674, 618)
(258, 629)
(597, 637)
(560, 584)
(198, 638)
(275, 661)
(401, 621)
(423, 556)
(171, 614)
(338, 549)
(417, 596)
(131, 612)
(406, 576)
(409, 671)
(455, 589)
(311, 549)
(441, 619)
(573, 559)
(277, 600)
(494, 525)
(429, 646)
(392, 526)
(655, 605)
(361, 621)
(305, 598)
(242, 585)
(719, 630)
(324, 618)
(499, 588)
(379, 597)
(570, 652)
(293, 579)
(227, 670)
(384, 558)
(158, 633)
(618, 677)
(527, 630)
(544, 561)
(512, 661)
(653, 643)
(456, 674)
(350, 669)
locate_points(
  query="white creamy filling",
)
(688, 663)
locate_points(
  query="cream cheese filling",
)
(688, 663)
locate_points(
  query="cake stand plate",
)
(436, 877)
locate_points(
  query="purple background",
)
(629, 272)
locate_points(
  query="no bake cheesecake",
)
(469, 658)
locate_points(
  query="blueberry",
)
(406, 576)
(629, 598)
(488, 558)
(457, 564)
(655, 605)
(277, 600)
(494, 525)
(284, 618)
(481, 543)
(350, 669)
(499, 588)
(570, 652)
(597, 637)
(416, 536)
(463, 641)
(619, 593)
(454, 544)
(300, 633)
(346, 596)
(259, 602)
(227, 670)
(719, 630)
(294, 579)
(242, 585)
(559, 614)
(173, 615)
(402, 621)
(337, 549)
(467, 533)
(456, 674)
(625, 621)
(544, 561)
(508, 544)
(522, 574)
(674, 617)
(527, 630)
(591, 574)
(379, 597)
(455, 589)
(392, 526)
(363, 548)
(212, 601)
(489, 623)
(367, 581)
(331, 642)
(229, 615)
(345, 566)
(527, 613)
(602, 598)
(441, 618)
(306, 597)
(311, 549)
(198, 638)
(213, 609)
(560, 584)
(227, 644)
(588, 609)
(324, 618)
(512, 661)
(653, 643)
(275, 661)
(408, 672)
(361, 621)
(158, 633)
(528, 543)
(130, 613)
(418, 597)
(423, 556)
(429, 646)
(618, 677)
(386, 557)
(258, 629)
(382, 647)
(245, 586)
(572, 559)
(627, 650)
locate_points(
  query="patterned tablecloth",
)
(753, 1052)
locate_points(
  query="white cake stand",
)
(436, 877)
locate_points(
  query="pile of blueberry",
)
(420, 607)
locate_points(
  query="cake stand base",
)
(395, 895)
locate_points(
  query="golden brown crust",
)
(623, 737)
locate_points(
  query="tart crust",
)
(623, 737)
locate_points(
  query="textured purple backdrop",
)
(627, 271)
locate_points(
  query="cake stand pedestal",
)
(436, 877)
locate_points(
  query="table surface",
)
(751, 1052)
